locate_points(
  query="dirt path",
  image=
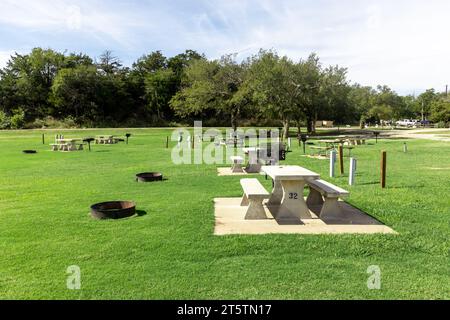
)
(419, 134)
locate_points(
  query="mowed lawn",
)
(171, 252)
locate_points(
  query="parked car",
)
(407, 123)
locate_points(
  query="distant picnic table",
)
(67, 144)
(106, 139)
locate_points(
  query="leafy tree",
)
(212, 85)
(27, 81)
(440, 111)
(159, 90)
(109, 64)
(75, 93)
(424, 102)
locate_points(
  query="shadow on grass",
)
(141, 213)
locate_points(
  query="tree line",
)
(47, 87)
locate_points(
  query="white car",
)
(407, 123)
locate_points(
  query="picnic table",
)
(67, 144)
(287, 194)
(108, 139)
(253, 165)
(331, 142)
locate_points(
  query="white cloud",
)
(399, 43)
(64, 16)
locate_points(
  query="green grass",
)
(171, 251)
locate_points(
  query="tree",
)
(75, 93)
(109, 64)
(440, 110)
(360, 99)
(159, 90)
(212, 85)
(27, 79)
(424, 102)
(271, 82)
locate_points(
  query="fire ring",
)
(113, 210)
(149, 176)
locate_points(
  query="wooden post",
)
(383, 169)
(193, 142)
(341, 159)
(43, 138)
(167, 142)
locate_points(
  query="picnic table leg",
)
(244, 202)
(253, 166)
(237, 167)
(293, 205)
(314, 197)
(277, 194)
(331, 209)
(255, 210)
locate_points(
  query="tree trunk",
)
(234, 125)
(299, 127)
(309, 125)
(286, 126)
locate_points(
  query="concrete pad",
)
(230, 219)
(228, 172)
(315, 157)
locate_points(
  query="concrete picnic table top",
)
(330, 140)
(289, 173)
(287, 200)
(68, 140)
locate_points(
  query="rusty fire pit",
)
(113, 210)
(149, 176)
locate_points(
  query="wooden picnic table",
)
(287, 194)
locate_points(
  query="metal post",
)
(405, 148)
(351, 178)
(167, 142)
(332, 163)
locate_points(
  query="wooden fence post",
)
(341, 159)
(383, 169)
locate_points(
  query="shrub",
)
(442, 124)
(50, 122)
(18, 119)
(5, 121)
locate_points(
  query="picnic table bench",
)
(329, 192)
(321, 150)
(254, 194)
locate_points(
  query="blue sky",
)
(403, 44)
